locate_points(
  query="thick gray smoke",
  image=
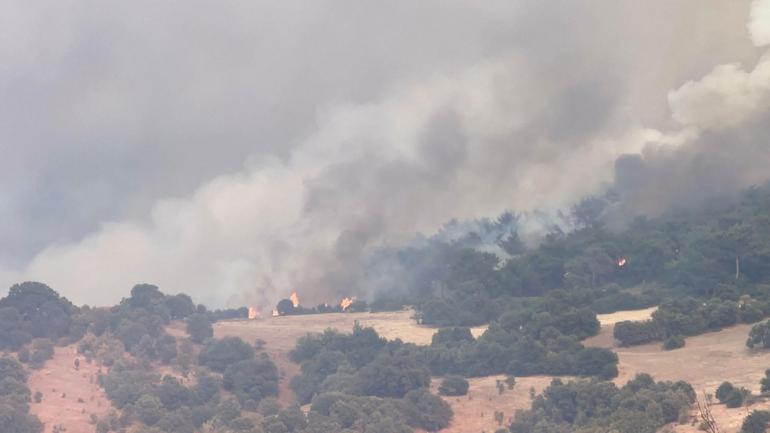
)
(361, 124)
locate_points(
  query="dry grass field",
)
(475, 412)
(69, 396)
(706, 361)
(280, 334)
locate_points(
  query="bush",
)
(252, 379)
(199, 328)
(756, 422)
(269, 406)
(630, 333)
(219, 354)
(723, 391)
(759, 336)
(42, 351)
(736, 397)
(452, 336)
(765, 382)
(453, 386)
(426, 411)
(675, 342)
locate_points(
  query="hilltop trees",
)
(33, 310)
(718, 251)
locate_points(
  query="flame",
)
(346, 303)
(253, 313)
(622, 262)
(294, 299)
(275, 313)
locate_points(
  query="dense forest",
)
(705, 269)
(715, 253)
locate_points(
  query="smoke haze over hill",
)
(206, 149)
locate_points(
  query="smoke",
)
(759, 22)
(724, 117)
(543, 105)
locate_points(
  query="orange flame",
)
(622, 262)
(253, 313)
(294, 299)
(346, 303)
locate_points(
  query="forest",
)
(705, 269)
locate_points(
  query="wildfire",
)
(294, 299)
(622, 262)
(346, 303)
(275, 313)
(253, 313)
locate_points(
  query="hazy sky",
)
(237, 149)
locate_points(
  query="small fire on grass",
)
(346, 303)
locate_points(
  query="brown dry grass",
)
(706, 361)
(475, 412)
(281, 333)
(58, 376)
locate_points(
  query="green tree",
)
(218, 354)
(149, 409)
(427, 411)
(756, 422)
(759, 336)
(199, 328)
(453, 386)
(252, 379)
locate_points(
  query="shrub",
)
(675, 342)
(765, 382)
(736, 397)
(42, 351)
(269, 406)
(630, 333)
(723, 391)
(756, 422)
(199, 328)
(759, 336)
(453, 386)
(426, 411)
(252, 379)
(219, 354)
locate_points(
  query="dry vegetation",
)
(280, 334)
(69, 396)
(705, 361)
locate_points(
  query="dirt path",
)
(69, 396)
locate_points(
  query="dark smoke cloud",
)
(239, 151)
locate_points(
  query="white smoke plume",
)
(759, 22)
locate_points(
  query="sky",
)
(237, 150)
